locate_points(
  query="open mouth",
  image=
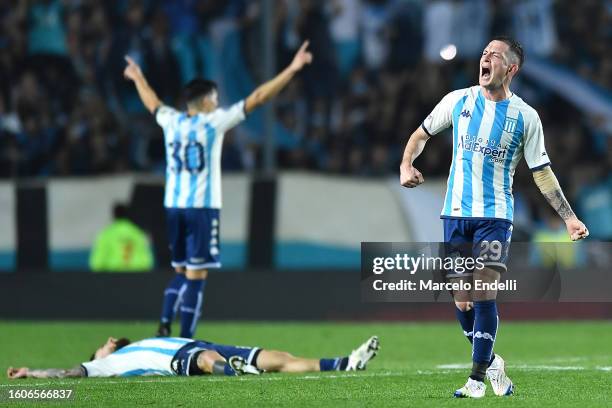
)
(485, 72)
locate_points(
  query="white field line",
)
(527, 367)
(440, 369)
(460, 366)
(211, 379)
(543, 367)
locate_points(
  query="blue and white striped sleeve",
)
(441, 116)
(230, 117)
(99, 368)
(164, 114)
(534, 149)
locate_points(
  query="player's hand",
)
(132, 70)
(302, 57)
(14, 373)
(576, 229)
(410, 177)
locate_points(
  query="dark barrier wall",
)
(237, 295)
(147, 211)
(32, 231)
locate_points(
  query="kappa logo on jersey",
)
(466, 114)
(476, 145)
(510, 125)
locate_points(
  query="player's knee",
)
(464, 306)
(179, 269)
(206, 360)
(281, 360)
(287, 356)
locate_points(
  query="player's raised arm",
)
(410, 176)
(268, 90)
(147, 95)
(25, 372)
(549, 186)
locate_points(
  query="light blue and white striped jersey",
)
(193, 154)
(489, 139)
(145, 357)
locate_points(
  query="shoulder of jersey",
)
(459, 93)
(527, 110)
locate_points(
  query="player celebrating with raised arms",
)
(187, 357)
(193, 141)
(492, 130)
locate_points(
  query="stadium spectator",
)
(46, 33)
(374, 19)
(344, 28)
(121, 247)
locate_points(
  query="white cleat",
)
(241, 367)
(496, 373)
(363, 354)
(471, 389)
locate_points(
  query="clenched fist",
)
(409, 176)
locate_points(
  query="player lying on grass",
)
(180, 356)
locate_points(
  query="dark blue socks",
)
(331, 364)
(191, 304)
(466, 320)
(485, 329)
(172, 298)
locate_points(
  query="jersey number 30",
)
(192, 157)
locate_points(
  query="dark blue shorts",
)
(488, 239)
(183, 357)
(193, 234)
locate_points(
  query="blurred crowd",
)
(65, 108)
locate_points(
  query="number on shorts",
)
(491, 251)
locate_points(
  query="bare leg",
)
(196, 274)
(485, 275)
(283, 362)
(207, 359)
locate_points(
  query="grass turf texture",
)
(551, 364)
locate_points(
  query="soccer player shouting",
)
(187, 357)
(193, 141)
(492, 129)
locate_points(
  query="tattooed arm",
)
(25, 372)
(549, 186)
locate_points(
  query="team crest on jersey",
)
(510, 125)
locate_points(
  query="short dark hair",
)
(515, 47)
(198, 88)
(121, 211)
(121, 343)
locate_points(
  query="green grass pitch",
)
(551, 364)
